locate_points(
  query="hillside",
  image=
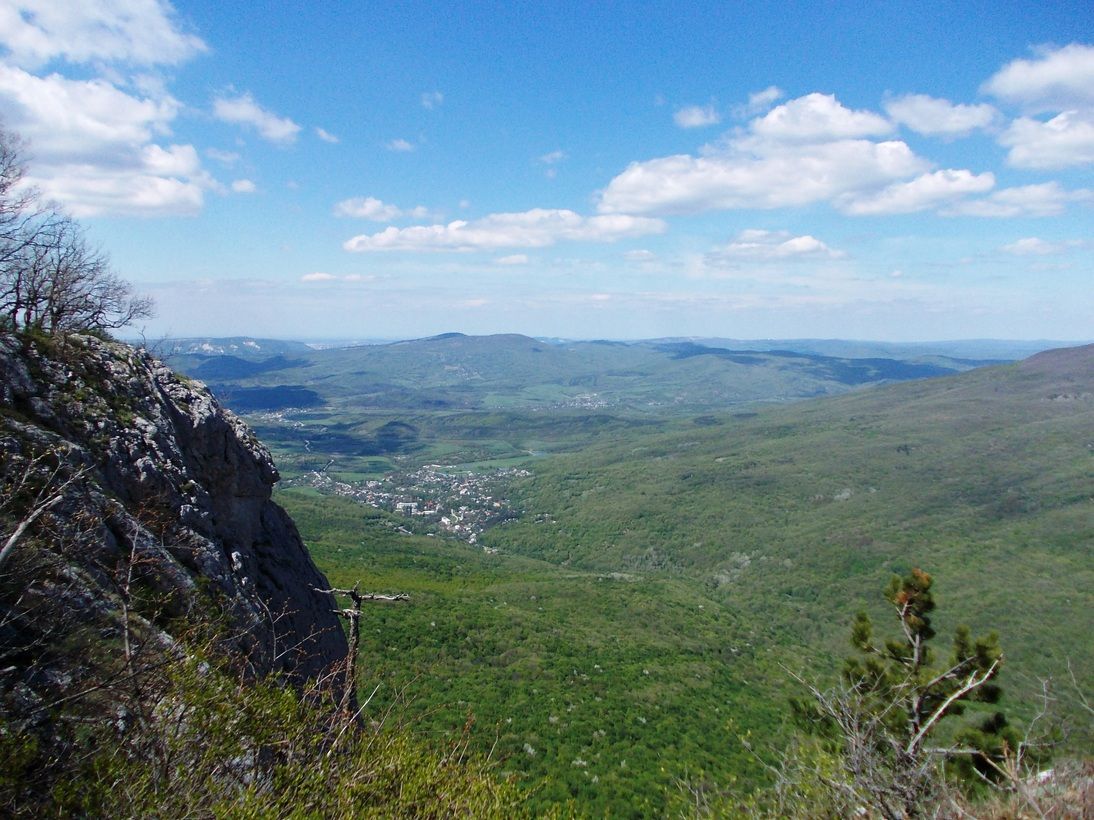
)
(454, 371)
(663, 578)
(802, 512)
(979, 439)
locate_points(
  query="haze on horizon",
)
(784, 171)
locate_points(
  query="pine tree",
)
(881, 723)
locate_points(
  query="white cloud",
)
(321, 276)
(759, 101)
(326, 135)
(400, 145)
(223, 157)
(87, 191)
(1045, 199)
(1057, 79)
(804, 151)
(79, 118)
(760, 245)
(244, 186)
(137, 32)
(933, 116)
(923, 193)
(758, 175)
(368, 208)
(1034, 246)
(818, 117)
(377, 210)
(536, 228)
(432, 99)
(1065, 141)
(514, 259)
(94, 146)
(697, 116)
(641, 255)
(553, 158)
(243, 110)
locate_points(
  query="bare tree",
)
(51, 278)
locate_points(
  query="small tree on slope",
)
(881, 722)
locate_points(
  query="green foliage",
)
(220, 748)
(885, 726)
(901, 686)
(777, 523)
(586, 686)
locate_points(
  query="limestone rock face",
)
(170, 482)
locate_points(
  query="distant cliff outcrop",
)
(150, 495)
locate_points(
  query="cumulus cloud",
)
(80, 118)
(326, 135)
(1059, 81)
(536, 228)
(925, 192)
(399, 145)
(757, 174)
(243, 110)
(819, 117)
(1045, 199)
(88, 191)
(697, 116)
(137, 32)
(811, 149)
(513, 259)
(95, 147)
(761, 245)
(1054, 80)
(369, 207)
(432, 99)
(933, 116)
(1065, 141)
(553, 157)
(244, 186)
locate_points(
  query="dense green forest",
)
(635, 629)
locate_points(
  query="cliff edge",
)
(152, 501)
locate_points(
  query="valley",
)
(634, 607)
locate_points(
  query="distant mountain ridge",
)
(511, 370)
(246, 347)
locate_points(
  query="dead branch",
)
(354, 617)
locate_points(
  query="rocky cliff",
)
(140, 495)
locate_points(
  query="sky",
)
(902, 171)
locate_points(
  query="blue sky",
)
(898, 171)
